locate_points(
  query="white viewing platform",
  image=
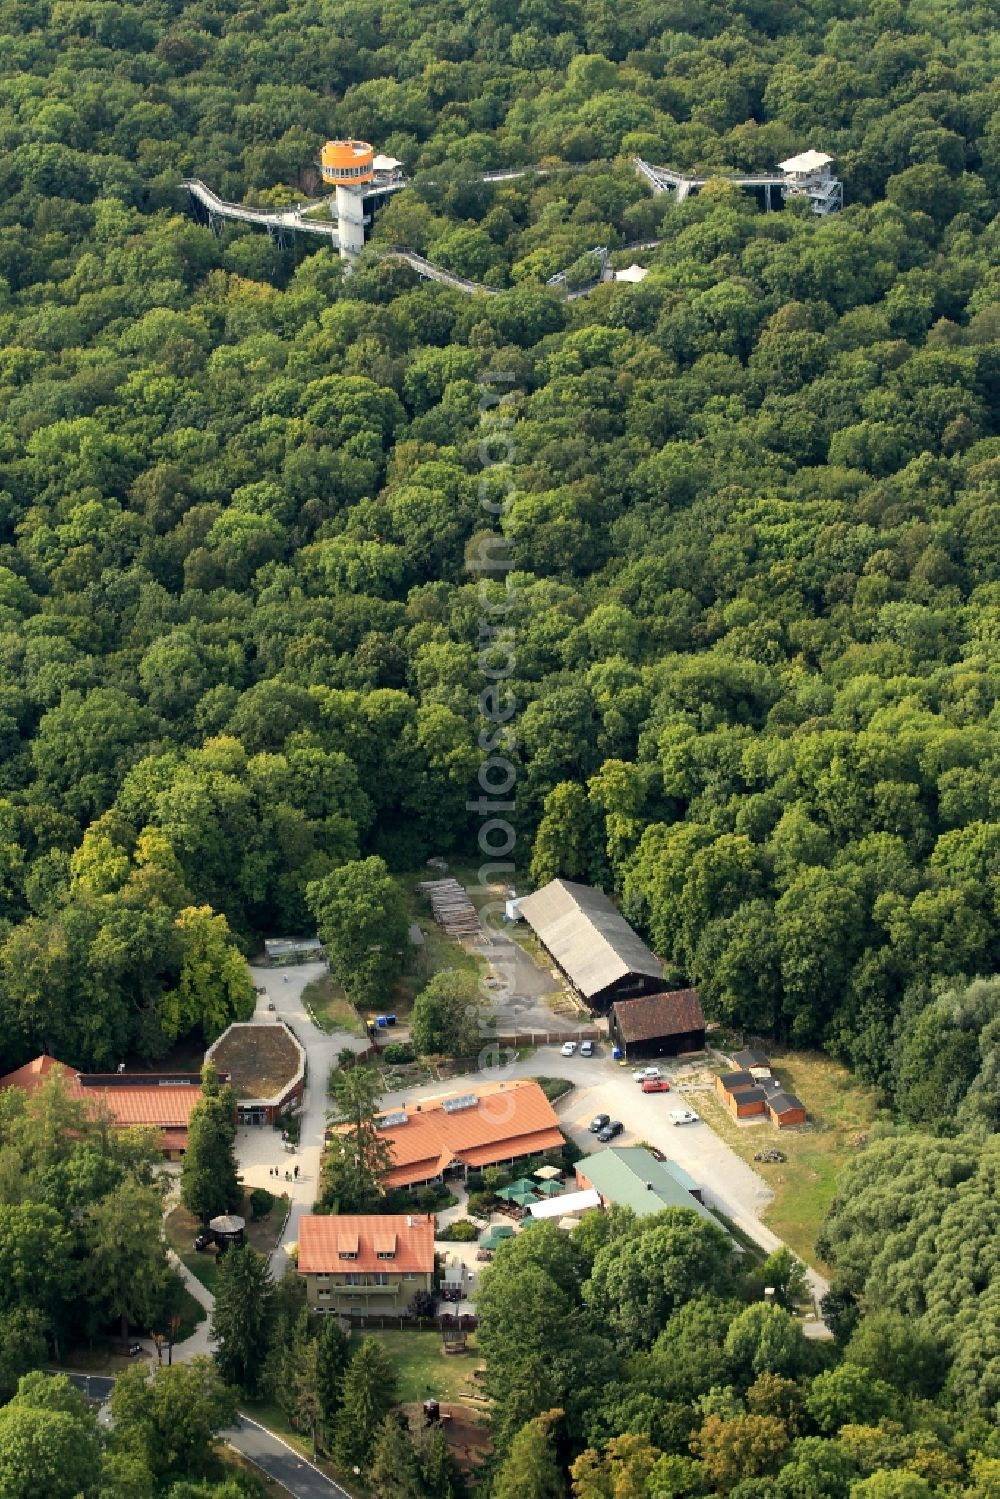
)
(808, 175)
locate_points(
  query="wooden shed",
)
(728, 1083)
(785, 1110)
(747, 1102)
(658, 1025)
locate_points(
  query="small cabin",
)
(747, 1103)
(785, 1110)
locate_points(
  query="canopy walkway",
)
(346, 234)
(433, 272)
(209, 208)
(664, 180)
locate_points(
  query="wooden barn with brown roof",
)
(658, 1025)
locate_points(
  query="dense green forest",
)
(753, 609)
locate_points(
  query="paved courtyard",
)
(259, 1148)
(604, 1087)
(601, 1086)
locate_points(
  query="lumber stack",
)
(452, 908)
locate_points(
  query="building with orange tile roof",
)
(159, 1100)
(366, 1262)
(497, 1124)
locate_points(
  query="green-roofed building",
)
(629, 1176)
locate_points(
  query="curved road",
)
(281, 1462)
(266, 1451)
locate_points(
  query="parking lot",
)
(604, 1087)
(728, 1182)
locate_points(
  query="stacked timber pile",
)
(453, 910)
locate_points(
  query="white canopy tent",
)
(567, 1206)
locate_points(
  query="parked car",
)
(568, 1048)
(656, 1085)
(598, 1123)
(134, 1349)
(202, 1241)
(586, 1048)
(270, 1004)
(644, 1074)
(683, 1116)
(611, 1129)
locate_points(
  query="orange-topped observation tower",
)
(347, 163)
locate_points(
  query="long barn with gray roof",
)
(592, 943)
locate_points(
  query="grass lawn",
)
(438, 951)
(191, 1313)
(840, 1109)
(180, 1228)
(423, 1371)
(331, 1008)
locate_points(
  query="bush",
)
(554, 1087)
(461, 1232)
(430, 1199)
(480, 1204)
(261, 1203)
(398, 1054)
(422, 1304)
(434, 1199)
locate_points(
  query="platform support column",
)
(350, 222)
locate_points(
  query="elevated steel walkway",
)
(433, 272)
(664, 180)
(209, 208)
(346, 234)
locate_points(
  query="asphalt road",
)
(96, 1387)
(267, 1451)
(281, 1462)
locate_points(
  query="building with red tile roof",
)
(160, 1100)
(496, 1124)
(366, 1262)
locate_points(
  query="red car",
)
(656, 1085)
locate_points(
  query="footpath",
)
(258, 1150)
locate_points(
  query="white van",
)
(683, 1116)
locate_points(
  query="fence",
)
(358, 1058)
(389, 1321)
(458, 1065)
